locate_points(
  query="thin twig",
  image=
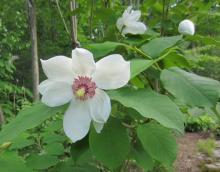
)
(62, 17)
(128, 125)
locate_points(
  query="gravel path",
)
(187, 159)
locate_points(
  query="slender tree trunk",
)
(75, 42)
(2, 118)
(33, 30)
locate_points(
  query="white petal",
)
(98, 126)
(76, 122)
(135, 15)
(100, 106)
(42, 88)
(134, 28)
(58, 68)
(112, 72)
(55, 93)
(120, 23)
(186, 27)
(127, 12)
(83, 62)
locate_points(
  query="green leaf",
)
(155, 47)
(151, 105)
(174, 59)
(158, 142)
(51, 137)
(79, 149)
(69, 166)
(10, 161)
(27, 119)
(191, 89)
(21, 141)
(41, 161)
(86, 168)
(55, 149)
(112, 145)
(102, 49)
(142, 158)
(138, 66)
(85, 158)
(55, 125)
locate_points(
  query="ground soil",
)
(187, 159)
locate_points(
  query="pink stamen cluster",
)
(86, 83)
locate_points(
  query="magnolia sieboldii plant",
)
(81, 82)
(129, 22)
(186, 27)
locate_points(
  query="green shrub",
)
(208, 66)
(200, 123)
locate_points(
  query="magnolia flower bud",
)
(186, 27)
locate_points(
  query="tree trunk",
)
(75, 42)
(2, 118)
(33, 30)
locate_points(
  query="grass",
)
(206, 146)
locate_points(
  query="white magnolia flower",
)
(80, 81)
(129, 22)
(186, 27)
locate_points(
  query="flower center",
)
(83, 87)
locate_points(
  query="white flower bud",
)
(186, 27)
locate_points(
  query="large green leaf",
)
(191, 89)
(151, 105)
(175, 59)
(41, 161)
(80, 151)
(22, 141)
(102, 49)
(27, 119)
(138, 66)
(158, 142)
(142, 158)
(112, 145)
(10, 161)
(156, 46)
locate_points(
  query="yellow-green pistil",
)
(80, 92)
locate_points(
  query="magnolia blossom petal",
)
(135, 15)
(76, 122)
(112, 72)
(58, 68)
(83, 62)
(127, 12)
(43, 87)
(186, 27)
(55, 93)
(120, 23)
(134, 28)
(100, 106)
(98, 126)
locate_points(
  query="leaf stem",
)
(147, 56)
(138, 51)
